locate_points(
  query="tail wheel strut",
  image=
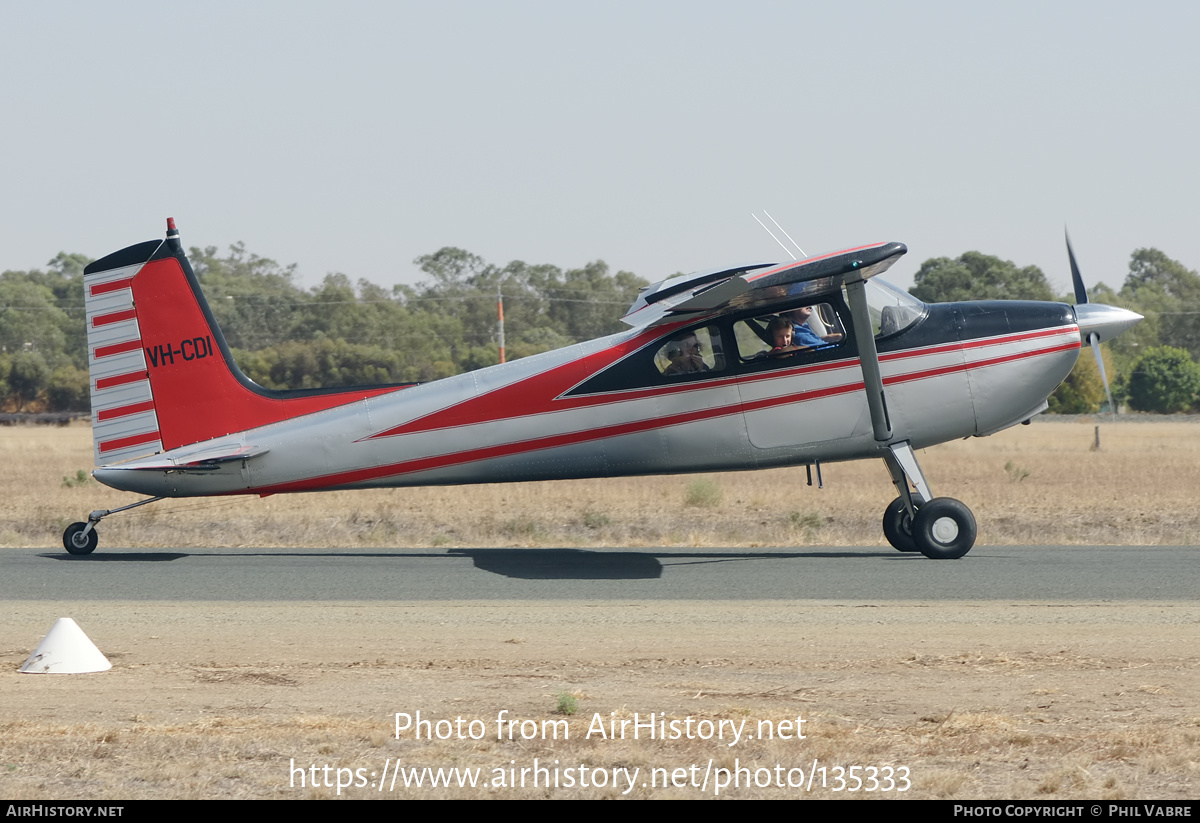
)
(81, 538)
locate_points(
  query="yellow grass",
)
(222, 699)
(1032, 484)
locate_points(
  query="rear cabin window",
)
(691, 352)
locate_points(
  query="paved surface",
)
(1020, 573)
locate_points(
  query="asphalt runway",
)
(1017, 573)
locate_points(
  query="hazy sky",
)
(355, 137)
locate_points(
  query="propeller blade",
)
(1076, 277)
(1095, 315)
(1094, 340)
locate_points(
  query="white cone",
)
(66, 650)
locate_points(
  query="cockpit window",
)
(804, 328)
(892, 309)
(697, 350)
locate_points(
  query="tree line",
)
(338, 333)
(343, 332)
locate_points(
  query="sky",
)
(355, 137)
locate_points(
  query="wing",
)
(758, 284)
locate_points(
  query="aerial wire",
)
(785, 234)
(773, 237)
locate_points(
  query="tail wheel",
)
(76, 541)
(897, 527)
(944, 529)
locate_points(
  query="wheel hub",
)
(944, 530)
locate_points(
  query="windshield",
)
(892, 309)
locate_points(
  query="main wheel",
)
(944, 529)
(897, 526)
(76, 542)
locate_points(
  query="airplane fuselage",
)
(595, 410)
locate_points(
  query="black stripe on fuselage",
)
(960, 322)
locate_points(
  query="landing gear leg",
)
(81, 538)
(941, 528)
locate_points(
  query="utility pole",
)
(500, 312)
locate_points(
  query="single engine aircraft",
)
(746, 367)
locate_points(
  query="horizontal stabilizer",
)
(201, 460)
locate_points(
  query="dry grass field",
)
(977, 700)
(1030, 701)
(1041, 483)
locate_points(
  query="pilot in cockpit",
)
(802, 331)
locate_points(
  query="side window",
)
(690, 352)
(796, 330)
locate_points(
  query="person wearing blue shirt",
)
(802, 333)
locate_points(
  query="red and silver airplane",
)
(754, 366)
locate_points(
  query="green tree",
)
(544, 307)
(30, 318)
(254, 299)
(312, 364)
(977, 276)
(27, 378)
(338, 333)
(589, 302)
(68, 389)
(1165, 380)
(1083, 390)
(1168, 294)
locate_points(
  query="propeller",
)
(1093, 337)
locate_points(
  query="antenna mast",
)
(776, 239)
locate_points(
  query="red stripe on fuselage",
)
(533, 394)
(978, 364)
(981, 342)
(634, 427)
(544, 393)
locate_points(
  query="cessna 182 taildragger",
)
(748, 367)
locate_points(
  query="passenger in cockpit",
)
(780, 333)
(802, 333)
(685, 356)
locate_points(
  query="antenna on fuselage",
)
(776, 239)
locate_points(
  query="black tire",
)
(76, 542)
(944, 529)
(897, 527)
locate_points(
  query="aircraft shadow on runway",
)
(527, 564)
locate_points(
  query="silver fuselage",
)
(965, 369)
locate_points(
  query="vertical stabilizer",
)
(162, 374)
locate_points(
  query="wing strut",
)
(868, 358)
